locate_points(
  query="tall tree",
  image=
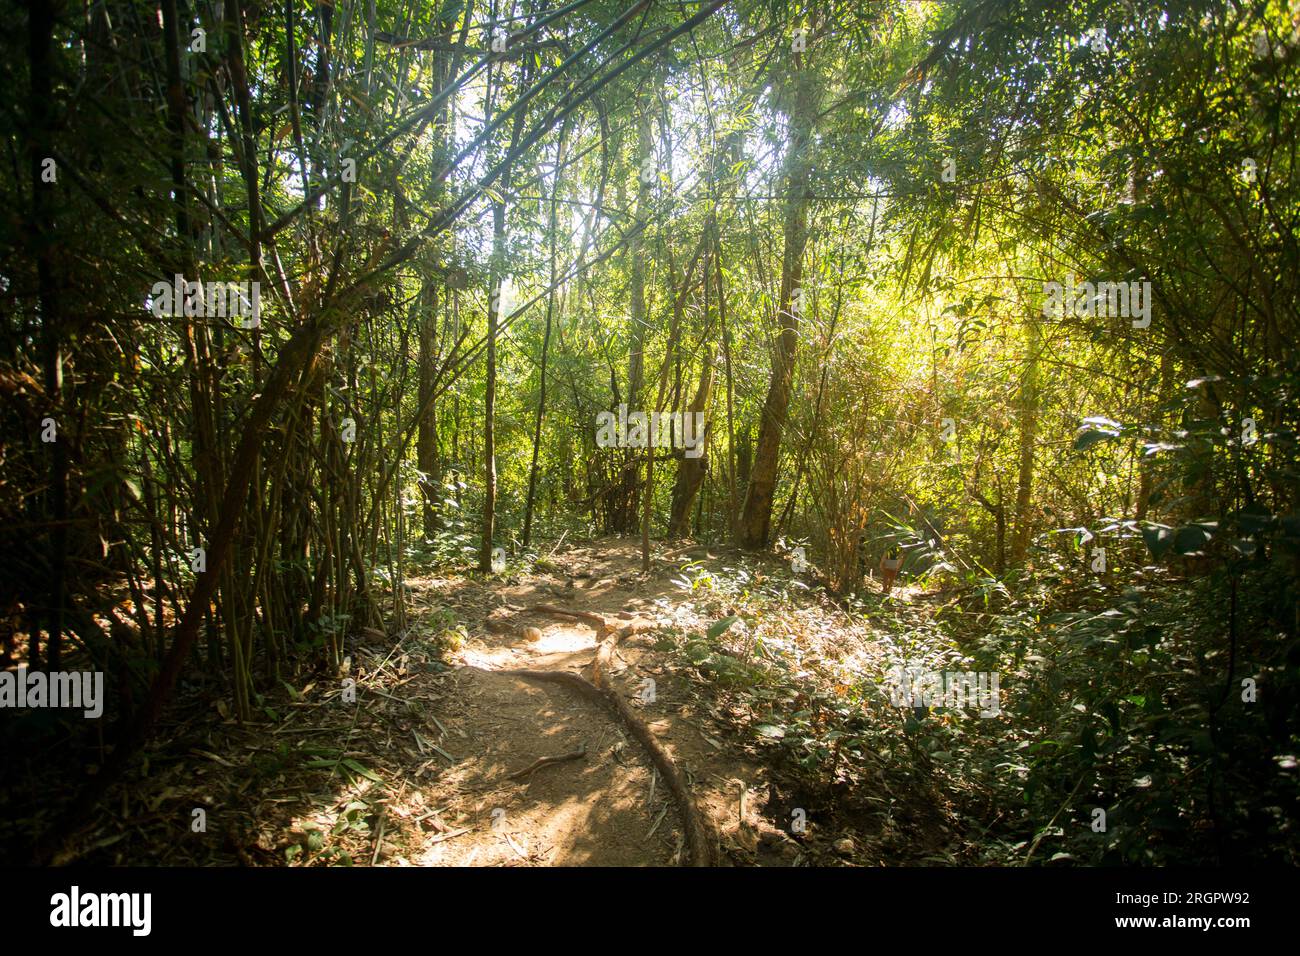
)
(802, 95)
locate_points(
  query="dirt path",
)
(419, 758)
(610, 807)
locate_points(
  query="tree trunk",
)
(426, 451)
(1146, 463)
(756, 517)
(1028, 413)
(691, 471)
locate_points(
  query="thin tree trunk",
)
(637, 321)
(691, 471)
(733, 502)
(673, 331)
(427, 440)
(1028, 413)
(546, 344)
(40, 34)
(426, 450)
(496, 281)
(1146, 463)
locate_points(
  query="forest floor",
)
(435, 763)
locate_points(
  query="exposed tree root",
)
(596, 620)
(694, 549)
(699, 847)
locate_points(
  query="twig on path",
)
(379, 839)
(541, 762)
(516, 847)
(660, 819)
(449, 835)
(557, 544)
(438, 750)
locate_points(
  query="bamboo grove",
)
(831, 229)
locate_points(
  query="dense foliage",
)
(831, 228)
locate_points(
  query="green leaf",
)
(697, 652)
(720, 627)
(363, 771)
(1105, 424)
(1086, 439)
(450, 10)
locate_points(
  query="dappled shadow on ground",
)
(416, 770)
(600, 809)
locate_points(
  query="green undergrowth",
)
(1138, 722)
